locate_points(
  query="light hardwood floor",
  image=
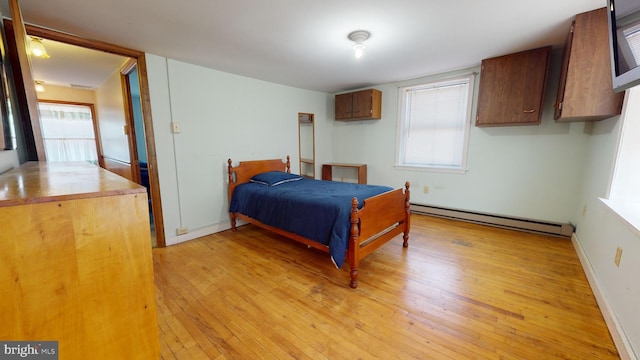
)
(460, 291)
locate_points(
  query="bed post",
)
(232, 216)
(354, 246)
(288, 165)
(407, 210)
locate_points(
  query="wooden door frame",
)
(139, 56)
(125, 70)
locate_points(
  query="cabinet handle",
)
(529, 111)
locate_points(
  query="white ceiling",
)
(74, 66)
(304, 43)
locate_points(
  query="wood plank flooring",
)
(460, 291)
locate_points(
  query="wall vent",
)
(80, 86)
(528, 225)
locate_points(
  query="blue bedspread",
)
(316, 209)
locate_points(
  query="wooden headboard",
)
(246, 169)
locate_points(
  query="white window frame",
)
(403, 132)
(623, 194)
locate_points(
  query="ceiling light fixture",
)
(359, 37)
(37, 48)
(39, 86)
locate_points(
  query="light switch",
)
(175, 127)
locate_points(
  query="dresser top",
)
(37, 182)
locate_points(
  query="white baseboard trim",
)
(617, 333)
(198, 233)
(507, 222)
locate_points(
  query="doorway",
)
(137, 139)
(144, 116)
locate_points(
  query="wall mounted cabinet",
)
(512, 88)
(359, 105)
(585, 89)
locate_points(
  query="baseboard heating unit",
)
(535, 226)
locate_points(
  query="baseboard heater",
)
(534, 226)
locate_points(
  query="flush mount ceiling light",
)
(39, 86)
(37, 48)
(359, 37)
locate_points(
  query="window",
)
(624, 193)
(632, 35)
(68, 132)
(433, 126)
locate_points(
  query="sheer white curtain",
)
(67, 131)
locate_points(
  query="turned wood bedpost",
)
(288, 165)
(232, 216)
(407, 210)
(354, 246)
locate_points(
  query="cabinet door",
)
(344, 104)
(367, 104)
(361, 104)
(585, 90)
(512, 88)
(563, 74)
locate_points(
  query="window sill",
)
(628, 212)
(430, 169)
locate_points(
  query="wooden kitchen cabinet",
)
(344, 104)
(359, 105)
(585, 90)
(512, 88)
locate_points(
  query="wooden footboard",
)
(381, 218)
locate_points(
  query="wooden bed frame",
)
(381, 218)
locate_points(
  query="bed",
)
(348, 221)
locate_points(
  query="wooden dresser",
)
(76, 262)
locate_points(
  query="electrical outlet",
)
(618, 256)
(182, 230)
(425, 189)
(175, 127)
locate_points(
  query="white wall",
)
(600, 232)
(522, 171)
(111, 119)
(221, 116)
(65, 93)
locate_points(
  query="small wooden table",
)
(361, 168)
